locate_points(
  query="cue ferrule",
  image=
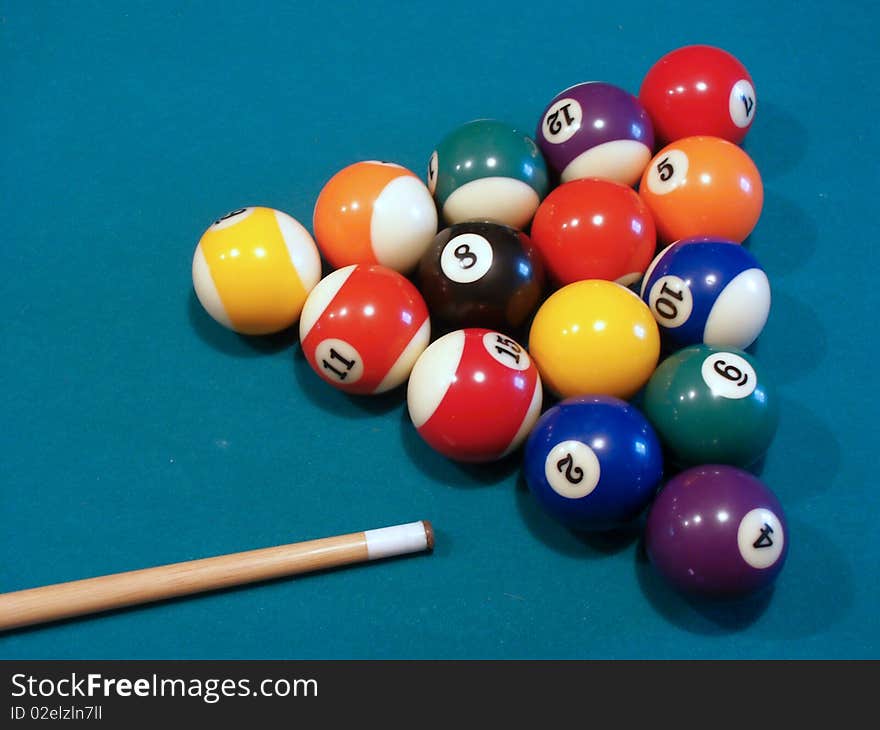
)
(387, 542)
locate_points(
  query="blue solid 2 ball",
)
(593, 462)
(705, 290)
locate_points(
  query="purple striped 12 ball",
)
(717, 531)
(707, 290)
(596, 129)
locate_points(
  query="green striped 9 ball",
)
(712, 405)
(488, 171)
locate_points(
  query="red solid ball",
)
(594, 229)
(699, 90)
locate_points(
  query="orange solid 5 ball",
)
(375, 213)
(703, 186)
(594, 337)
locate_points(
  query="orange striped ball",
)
(375, 213)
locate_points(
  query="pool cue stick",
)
(79, 597)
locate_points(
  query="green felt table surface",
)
(134, 431)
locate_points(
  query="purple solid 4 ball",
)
(596, 129)
(717, 531)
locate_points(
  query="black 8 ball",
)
(481, 275)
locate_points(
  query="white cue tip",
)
(412, 537)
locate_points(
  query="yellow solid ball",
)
(594, 338)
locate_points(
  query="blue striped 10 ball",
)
(707, 290)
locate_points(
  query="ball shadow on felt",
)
(330, 399)
(778, 142)
(231, 343)
(695, 614)
(579, 544)
(453, 473)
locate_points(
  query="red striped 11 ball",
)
(474, 395)
(362, 328)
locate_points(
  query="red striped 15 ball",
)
(363, 327)
(474, 395)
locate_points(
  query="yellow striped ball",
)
(254, 268)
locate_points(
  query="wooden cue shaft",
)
(79, 597)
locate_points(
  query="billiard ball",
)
(363, 327)
(699, 90)
(374, 213)
(594, 229)
(703, 186)
(712, 405)
(707, 290)
(480, 275)
(253, 269)
(487, 170)
(593, 462)
(718, 532)
(474, 395)
(596, 130)
(594, 337)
